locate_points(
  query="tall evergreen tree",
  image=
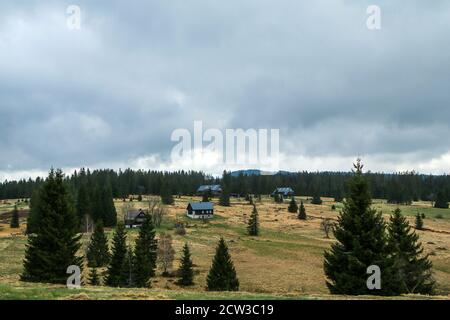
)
(222, 275)
(224, 199)
(97, 252)
(413, 269)
(302, 211)
(293, 207)
(253, 223)
(56, 241)
(117, 272)
(441, 200)
(186, 271)
(145, 254)
(316, 199)
(206, 196)
(15, 218)
(361, 242)
(166, 194)
(33, 216)
(109, 210)
(83, 205)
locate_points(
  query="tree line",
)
(398, 188)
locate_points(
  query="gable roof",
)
(132, 214)
(201, 205)
(212, 187)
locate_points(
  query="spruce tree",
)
(419, 222)
(145, 254)
(316, 199)
(117, 272)
(94, 278)
(97, 252)
(109, 210)
(293, 207)
(441, 200)
(253, 223)
(14, 218)
(412, 268)
(83, 206)
(166, 194)
(33, 217)
(222, 275)
(55, 243)
(361, 242)
(186, 271)
(206, 196)
(224, 199)
(302, 211)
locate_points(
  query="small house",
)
(200, 210)
(213, 189)
(134, 218)
(283, 191)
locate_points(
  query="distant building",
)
(200, 210)
(284, 191)
(134, 218)
(214, 189)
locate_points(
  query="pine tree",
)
(54, 245)
(97, 252)
(316, 199)
(33, 217)
(253, 223)
(14, 218)
(166, 194)
(224, 199)
(302, 211)
(222, 275)
(293, 207)
(145, 254)
(117, 272)
(419, 222)
(441, 201)
(109, 210)
(206, 196)
(338, 196)
(186, 271)
(83, 205)
(361, 242)
(413, 270)
(94, 278)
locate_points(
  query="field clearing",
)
(284, 262)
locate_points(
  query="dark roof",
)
(132, 214)
(201, 205)
(212, 187)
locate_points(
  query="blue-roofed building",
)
(284, 191)
(213, 189)
(200, 210)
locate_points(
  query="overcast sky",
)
(111, 93)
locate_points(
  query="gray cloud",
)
(116, 89)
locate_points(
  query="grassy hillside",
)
(285, 261)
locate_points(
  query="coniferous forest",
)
(397, 188)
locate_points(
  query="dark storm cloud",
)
(116, 89)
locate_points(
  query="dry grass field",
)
(284, 262)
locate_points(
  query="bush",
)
(180, 229)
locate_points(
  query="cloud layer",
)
(111, 93)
